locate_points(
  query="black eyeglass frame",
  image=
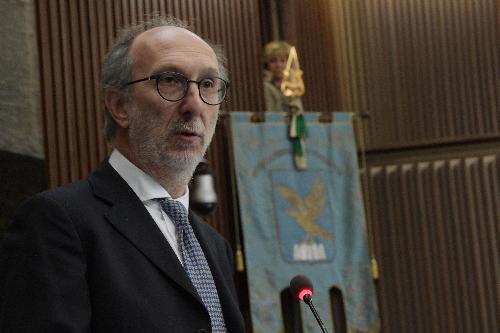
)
(186, 88)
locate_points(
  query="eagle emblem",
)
(306, 212)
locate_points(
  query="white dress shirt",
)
(148, 189)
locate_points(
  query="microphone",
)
(302, 288)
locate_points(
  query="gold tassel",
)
(375, 272)
(240, 263)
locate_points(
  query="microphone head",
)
(301, 286)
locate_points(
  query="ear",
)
(117, 106)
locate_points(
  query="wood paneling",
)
(435, 222)
(427, 71)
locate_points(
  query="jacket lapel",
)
(129, 216)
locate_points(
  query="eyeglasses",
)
(174, 86)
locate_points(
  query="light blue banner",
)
(307, 222)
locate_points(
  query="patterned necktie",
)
(195, 263)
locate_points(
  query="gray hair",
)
(117, 67)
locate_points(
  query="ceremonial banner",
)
(308, 222)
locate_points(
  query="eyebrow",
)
(207, 72)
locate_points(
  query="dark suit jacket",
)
(89, 257)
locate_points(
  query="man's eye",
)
(171, 80)
(208, 83)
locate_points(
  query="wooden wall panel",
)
(435, 222)
(74, 37)
(427, 71)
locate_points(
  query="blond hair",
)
(274, 48)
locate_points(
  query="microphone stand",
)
(308, 300)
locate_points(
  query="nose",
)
(192, 102)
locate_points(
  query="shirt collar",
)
(143, 185)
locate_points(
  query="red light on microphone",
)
(304, 292)
(301, 286)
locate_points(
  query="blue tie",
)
(195, 263)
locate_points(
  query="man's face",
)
(164, 134)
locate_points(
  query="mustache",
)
(195, 126)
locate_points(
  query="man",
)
(112, 252)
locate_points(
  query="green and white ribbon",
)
(298, 133)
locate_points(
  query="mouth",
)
(187, 135)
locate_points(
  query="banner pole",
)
(240, 262)
(361, 117)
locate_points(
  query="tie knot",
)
(175, 210)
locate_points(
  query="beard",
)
(157, 147)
